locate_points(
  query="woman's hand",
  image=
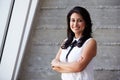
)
(55, 63)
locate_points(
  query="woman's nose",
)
(75, 23)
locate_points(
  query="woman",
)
(75, 58)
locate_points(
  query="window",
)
(16, 17)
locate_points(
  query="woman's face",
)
(77, 23)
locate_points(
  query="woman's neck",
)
(78, 36)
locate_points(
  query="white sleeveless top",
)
(86, 74)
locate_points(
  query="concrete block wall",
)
(49, 29)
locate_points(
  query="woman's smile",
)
(77, 23)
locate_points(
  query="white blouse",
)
(86, 74)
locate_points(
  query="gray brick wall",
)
(49, 29)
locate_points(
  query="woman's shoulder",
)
(65, 39)
(91, 41)
(63, 43)
(91, 45)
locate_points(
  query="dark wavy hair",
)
(87, 31)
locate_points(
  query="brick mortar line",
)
(108, 27)
(108, 7)
(63, 28)
(109, 43)
(58, 44)
(53, 28)
(93, 7)
(102, 69)
(46, 44)
(50, 8)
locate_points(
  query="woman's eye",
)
(79, 20)
(72, 20)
